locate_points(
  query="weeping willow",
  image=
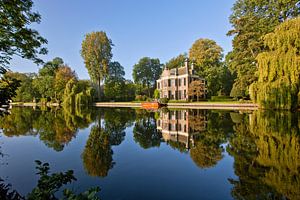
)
(279, 69)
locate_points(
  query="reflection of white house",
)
(174, 83)
(178, 126)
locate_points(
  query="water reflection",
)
(266, 150)
(145, 132)
(55, 127)
(265, 146)
(97, 155)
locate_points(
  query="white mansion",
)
(174, 83)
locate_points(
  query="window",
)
(184, 82)
(179, 82)
(158, 85)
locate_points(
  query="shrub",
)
(164, 100)
(221, 98)
(140, 97)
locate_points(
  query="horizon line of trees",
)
(265, 55)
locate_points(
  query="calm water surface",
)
(169, 154)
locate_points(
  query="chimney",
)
(186, 63)
(192, 65)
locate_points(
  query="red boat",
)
(152, 105)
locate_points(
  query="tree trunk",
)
(99, 89)
(148, 90)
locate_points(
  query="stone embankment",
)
(204, 105)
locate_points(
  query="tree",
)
(62, 76)
(129, 90)
(116, 71)
(176, 61)
(279, 68)
(252, 19)
(48, 186)
(115, 82)
(26, 92)
(51, 67)
(45, 86)
(16, 37)
(207, 56)
(77, 93)
(146, 72)
(96, 52)
(196, 88)
(8, 87)
(114, 89)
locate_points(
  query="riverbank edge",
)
(198, 105)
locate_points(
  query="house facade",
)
(174, 83)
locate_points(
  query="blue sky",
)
(154, 28)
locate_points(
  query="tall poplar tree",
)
(96, 52)
(279, 68)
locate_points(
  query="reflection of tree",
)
(55, 127)
(205, 155)
(19, 122)
(145, 132)
(267, 154)
(97, 155)
(207, 150)
(115, 122)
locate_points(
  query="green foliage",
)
(141, 98)
(78, 93)
(129, 91)
(96, 52)
(146, 72)
(116, 71)
(50, 68)
(97, 154)
(279, 68)
(47, 186)
(266, 151)
(252, 19)
(164, 100)
(207, 150)
(26, 92)
(156, 94)
(6, 193)
(8, 87)
(221, 98)
(55, 128)
(63, 74)
(178, 101)
(196, 88)
(145, 132)
(176, 61)
(17, 38)
(208, 54)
